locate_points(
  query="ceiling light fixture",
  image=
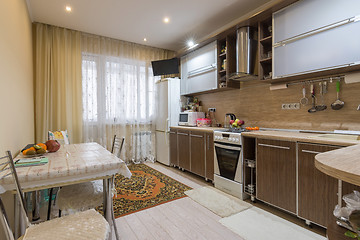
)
(191, 44)
(68, 8)
(145, 39)
(166, 20)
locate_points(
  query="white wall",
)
(16, 82)
(16, 77)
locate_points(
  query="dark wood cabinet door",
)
(276, 173)
(173, 148)
(183, 144)
(197, 153)
(317, 191)
(209, 152)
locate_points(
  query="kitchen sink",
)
(339, 136)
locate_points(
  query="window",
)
(117, 90)
(89, 89)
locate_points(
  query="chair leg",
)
(114, 224)
(49, 206)
(59, 213)
(112, 209)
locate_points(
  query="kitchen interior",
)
(273, 92)
(259, 107)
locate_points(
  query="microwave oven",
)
(189, 118)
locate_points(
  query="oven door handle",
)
(227, 147)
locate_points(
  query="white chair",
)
(82, 225)
(87, 195)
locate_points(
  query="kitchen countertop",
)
(343, 164)
(291, 135)
(301, 137)
(205, 129)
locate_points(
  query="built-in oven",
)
(228, 163)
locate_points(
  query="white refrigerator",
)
(168, 109)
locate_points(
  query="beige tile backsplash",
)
(258, 106)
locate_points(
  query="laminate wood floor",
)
(179, 219)
(184, 218)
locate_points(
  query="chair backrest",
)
(7, 167)
(117, 145)
(61, 136)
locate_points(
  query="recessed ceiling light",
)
(166, 20)
(145, 39)
(190, 43)
(68, 8)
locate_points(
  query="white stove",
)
(227, 137)
(228, 162)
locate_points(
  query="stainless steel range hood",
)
(246, 55)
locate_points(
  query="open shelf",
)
(266, 40)
(265, 49)
(266, 60)
(227, 61)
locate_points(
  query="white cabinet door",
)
(307, 15)
(184, 76)
(198, 70)
(316, 35)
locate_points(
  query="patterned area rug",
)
(146, 188)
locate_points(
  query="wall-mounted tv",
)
(165, 67)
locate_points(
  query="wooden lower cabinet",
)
(209, 156)
(276, 173)
(193, 150)
(197, 152)
(173, 148)
(317, 191)
(183, 149)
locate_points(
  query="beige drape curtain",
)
(58, 100)
(120, 94)
(95, 87)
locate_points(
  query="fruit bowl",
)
(236, 124)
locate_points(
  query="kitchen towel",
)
(257, 224)
(218, 202)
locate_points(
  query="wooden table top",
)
(343, 164)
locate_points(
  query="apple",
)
(232, 121)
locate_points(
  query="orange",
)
(42, 145)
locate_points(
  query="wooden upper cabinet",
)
(183, 144)
(209, 152)
(317, 191)
(276, 173)
(173, 148)
(197, 152)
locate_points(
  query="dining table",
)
(71, 164)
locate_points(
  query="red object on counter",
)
(203, 122)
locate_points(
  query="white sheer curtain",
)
(119, 94)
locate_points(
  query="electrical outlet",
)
(211, 109)
(290, 106)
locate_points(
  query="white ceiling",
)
(134, 20)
